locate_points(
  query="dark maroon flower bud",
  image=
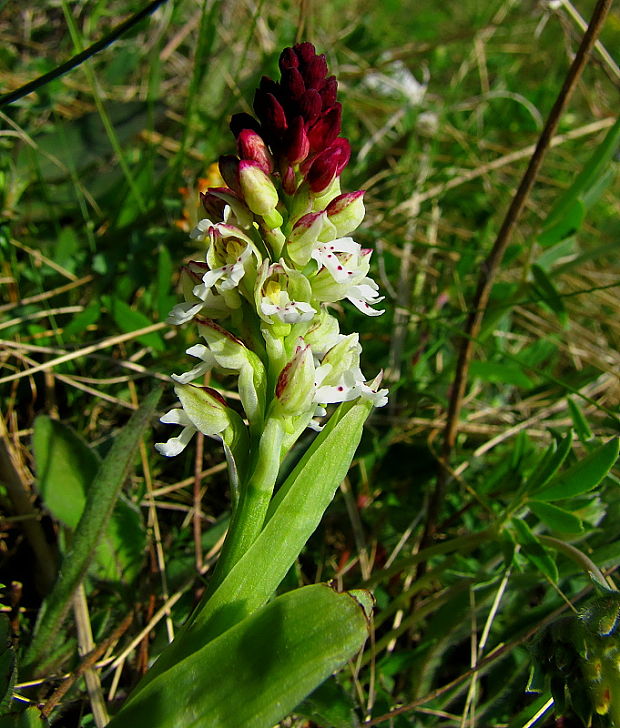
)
(296, 142)
(229, 169)
(288, 59)
(239, 122)
(214, 206)
(310, 105)
(269, 110)
(305, 52)
(328, 92)
(315, 72)
(252, 146)
(328, 165)
(269, 86)
(327, 127)
(341, 149)
(292, 82)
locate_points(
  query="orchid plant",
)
(277, 255)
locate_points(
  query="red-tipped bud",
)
(251, 146)
(289, 182)
(229, 169)
(328, 165)
(346, 212)
(325, 130)
(296, 142)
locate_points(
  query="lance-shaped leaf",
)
(102, 496)
(584, 475)
(257, 672)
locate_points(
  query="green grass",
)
(91, 167)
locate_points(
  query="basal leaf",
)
(584, 475)
(255, 673)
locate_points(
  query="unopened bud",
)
(252, 146)
(259, 193)
(346, 212)
(328, 165)
(296, 142)
(307, 232)
(295, 385)
(325, 130)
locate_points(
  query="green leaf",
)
(574, 214)
(546, 291)
(584, 475)
(165, 299)
(65, 466)
(102, 497)
(499, 373)
(255, 673)
(556, 518)
(127, 319)
(120, 552)
(533, 550)
(550, 463)
(293, 516)
(329, 706)
(582, 428)
(83, 320)
(580, 193)
(29, 718)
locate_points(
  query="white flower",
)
(224, 278)
(364, 295)
(326, 254)
(279, 304)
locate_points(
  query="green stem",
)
(248, 518)
(574, 554)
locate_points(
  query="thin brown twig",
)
(491, 265)
(87, 663)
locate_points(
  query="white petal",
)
(194, 373)
(183, 312)
(176, 445)
(176, 416)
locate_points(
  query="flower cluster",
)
(278, 251)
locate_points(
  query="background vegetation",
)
(99, 174)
